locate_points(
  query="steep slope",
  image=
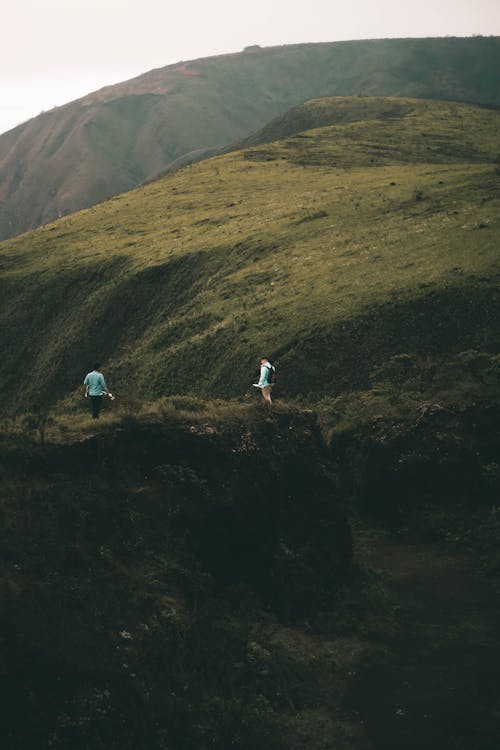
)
(333, 251)
(114, 139)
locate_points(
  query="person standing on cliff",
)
(267, 378)
(95, 388)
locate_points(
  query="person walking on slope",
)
(95, 387)
(266, 379)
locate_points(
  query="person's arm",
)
(86, 384)
(104, 386)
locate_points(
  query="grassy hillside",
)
(114, 139)
(373, 112)
(361, 256)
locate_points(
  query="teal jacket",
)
(96, 383)
(265, 374)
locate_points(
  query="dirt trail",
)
(440, 688)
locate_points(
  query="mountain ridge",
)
(103, 144)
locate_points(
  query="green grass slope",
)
(114, 139)
(359, 255)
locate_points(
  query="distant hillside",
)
(359, 256)
(114, 139)
(320, 113)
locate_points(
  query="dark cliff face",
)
(136, 565)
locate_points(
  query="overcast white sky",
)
(54, 51)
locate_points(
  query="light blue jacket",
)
(96, 383)
(265, 374)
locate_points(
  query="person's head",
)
(264, 360)
(97, 366)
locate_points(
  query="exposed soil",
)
(439, 689)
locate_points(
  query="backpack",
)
(271, 374)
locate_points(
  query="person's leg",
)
(96, 406)
(266, 392)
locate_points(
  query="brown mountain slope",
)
(118, 137)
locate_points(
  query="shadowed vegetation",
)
(184, 576)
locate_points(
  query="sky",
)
(55, 51)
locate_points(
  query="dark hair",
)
(97, 366)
